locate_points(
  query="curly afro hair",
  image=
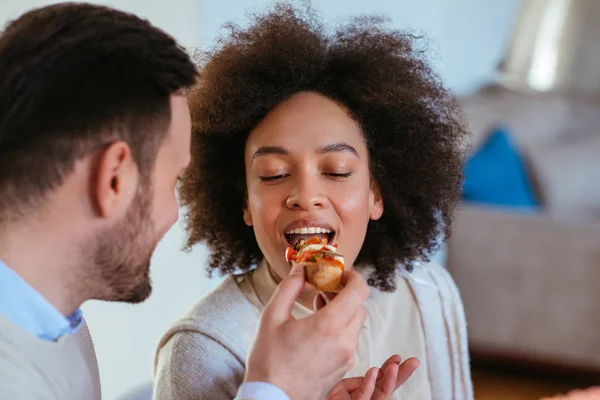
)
(412, 126)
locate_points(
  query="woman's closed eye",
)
(279, 177)
(338, 175)
(273, 178)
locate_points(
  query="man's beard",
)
(123, 253)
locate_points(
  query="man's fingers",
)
(354, 281)
(406, 370)
(344, 306)
(278, 309)
(357, 323)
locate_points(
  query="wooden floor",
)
(493, 384)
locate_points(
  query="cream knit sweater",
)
(203, 355)
(37, 369)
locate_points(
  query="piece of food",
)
(324, 266)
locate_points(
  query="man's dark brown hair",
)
(74, 78)
(410, 122)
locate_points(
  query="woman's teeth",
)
(307, 230)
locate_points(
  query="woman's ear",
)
(246, 211)
(375, 202)
(247, 217)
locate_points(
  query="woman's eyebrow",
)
(265, 150)
(338, 147)
(330, 148)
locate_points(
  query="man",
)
(94, 133)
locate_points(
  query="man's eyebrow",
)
(265, 150)
(338, 147)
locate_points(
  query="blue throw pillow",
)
(497, 175)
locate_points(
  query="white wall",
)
(467, 37)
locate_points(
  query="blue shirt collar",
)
(28, 309)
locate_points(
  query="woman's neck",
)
(306, 298)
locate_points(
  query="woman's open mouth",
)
(293, 236)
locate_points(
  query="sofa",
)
(530, 278)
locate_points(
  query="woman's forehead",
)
(308, 119)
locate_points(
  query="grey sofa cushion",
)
(568, 175)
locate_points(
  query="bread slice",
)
(323, 276)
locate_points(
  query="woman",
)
(347, 136)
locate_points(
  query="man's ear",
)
(375, 201)
(116, 180)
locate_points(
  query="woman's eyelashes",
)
(339, 175)
(280, 177)
(273, 178)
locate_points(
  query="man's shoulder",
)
(20, 377)
(28, 367)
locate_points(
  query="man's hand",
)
(307, 357)
(378, 383)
